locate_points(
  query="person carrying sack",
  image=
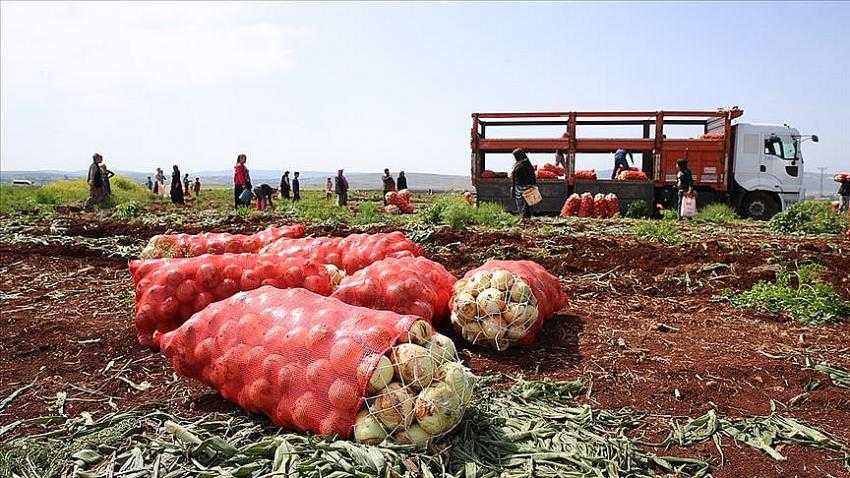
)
(522, 180)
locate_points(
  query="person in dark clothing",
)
(620, 163)
(241, 179)
(296, 187)
(176, 187)
(285, 186)
(186, 182)
(402, 181)
(106, 175)
(844, 195)
(264, 194)
(522, 178)
(95, 182)
(560, 159)
(197, 187)
(684, 182)
(389, 184)
(149, 184)
(341, 189)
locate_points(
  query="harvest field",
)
(709, 347)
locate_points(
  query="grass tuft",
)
(666, 232)
(716, 213)
(809, 217)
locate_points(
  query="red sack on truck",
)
(169, 291)
(487, 174)
(350, 253)
(571, 206)
(557, 169)
(301, 359)
(505, 302)
(408, 286)
(631, 175)
(585, 208)
(193, 245)
(544, 174)
(841, 177)
(586, 174)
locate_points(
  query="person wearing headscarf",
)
(106, 174)
(176, 187)
(402, 181)
(95, 181)
(341, 189)
(241, 179)
(285, 185)
(522, 178)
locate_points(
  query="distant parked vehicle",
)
(21, 182)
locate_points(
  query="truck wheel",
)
(759, 205)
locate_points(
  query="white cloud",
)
(88, 48)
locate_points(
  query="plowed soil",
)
(643, 329)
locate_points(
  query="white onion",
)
(368, 429)
(438, 409)
(381, 376)
(442, 349)
(459, 379)
(521, 292)
(412, 435)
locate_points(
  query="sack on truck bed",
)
(350, 253)
(311, 363)
(632, 175)
(586, 174)
(193, 245)
(169, 291)
(408, 286)
(503, 303)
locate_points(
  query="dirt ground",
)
(642, 329)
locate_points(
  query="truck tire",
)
(759, 205)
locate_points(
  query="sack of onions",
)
(503, 303)
(316, 364)
(193, 245)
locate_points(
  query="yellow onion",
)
(394, 406)
(412, 435)
(521, 292)
(472, 331)
(418, 333)
(502, 280)
(460, 286)
(368, 429)
(459, 379)
(494, 328)
(413, 365)
(516, 331)
(438, 409)
(442, 349)
(480, 281)
(490, 301)
(381, 376)
(337, 274)
(465, 306)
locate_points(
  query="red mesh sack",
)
(632, 175)
(408, 286)
(488, 174)
(503, 303)
(301, 359)
(586, 174)
(544, 174)
(712, 136)
(558, 170)
(350, 253)
(169, 291)
(613, 204)
(585, 208)
(600, 206)
(571, 206)
(841, 177)
(401, 200)
(193, 245)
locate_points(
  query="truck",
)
(755, 168)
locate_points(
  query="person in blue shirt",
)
(620, 163)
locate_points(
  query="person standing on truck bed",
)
(522, 178)
(560, 159)
(620, 163)
(844, 195)
(389, 184)
(95, 182)
(684, 182)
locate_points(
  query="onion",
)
(490, 301)
(459, 379)
(394, 406)
(412, 435)
(472, 331)
(460, 285)
(368, 430)
(494, 328)
(337, 274)
(418, 333)
(438, 409)
(479, 281)
(442, 349)
(465, 306)
(381, 376)
(502, 280)
(520, 292)
(516, 331)
(413, 365)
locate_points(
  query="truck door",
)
(782, 162)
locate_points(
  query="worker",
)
(149, 184)
(159, 187)
(560, 159)
(296, 188)
(186, 183)
(176, 187)
(197, 187)
(329, 189)
(95, 182)
(106, 175)
(620, 163)
(285, 186)
(844, 194)
(522, 178)
(684, 182)
(402, 181)
(241, 179)
(341, 189)
(264, 194)
(389, 184)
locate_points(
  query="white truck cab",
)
(767, 168)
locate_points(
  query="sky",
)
(322, 86)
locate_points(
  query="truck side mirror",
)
(815, 138)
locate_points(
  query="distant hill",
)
(309, 179)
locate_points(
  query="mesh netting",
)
(410, 286)
(169, 291)
(350, 253)
(193, 245)
(503, 303)
(302, 359)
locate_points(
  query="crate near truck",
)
(755, 168)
